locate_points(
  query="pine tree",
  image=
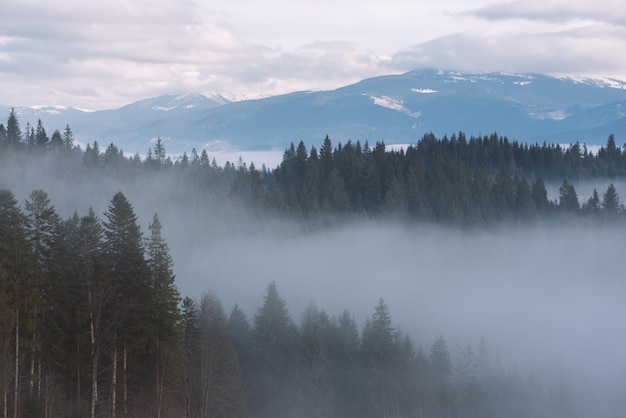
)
(568, 199)
(14, 133)
(440, 371)
(274, 339)
(379, 350)
(166, 314)
(611, 206)
(44, 234)
(14, 264)
(68, 137)
(315, 352)
(191, 345)
(3, 136)
(347, 375)
(56, 140)
(131, 305)
(41, 138)
(241, 334)
(592, 206)
(159, 153)
(91, 157)
(539, 195)
(91, 267)
(220, 389)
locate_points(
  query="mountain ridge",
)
(396, 108)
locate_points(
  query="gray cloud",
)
(586, 50)
(607, 11)
(105, 54)
(123, 51)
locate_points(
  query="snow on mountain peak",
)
(394, 104)
(602, 82)
(47, 110)
(223, 98)
(424, 91)
(556, 115)
(182, 101)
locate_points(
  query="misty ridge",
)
(504, 258)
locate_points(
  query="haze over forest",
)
(476, 276)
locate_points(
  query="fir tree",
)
(130, 308)
(166, 315)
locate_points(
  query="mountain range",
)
(398, 109)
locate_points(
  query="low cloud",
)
(606, 11)
(102, 55)
(588, 50)
(118, 55)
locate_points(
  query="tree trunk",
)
(31, 382)
(94, 359)
(39, 379)
(16, 392)
(77, 375)
(47, 402)
(94, 386)
(5, 383)
(114, 379)
(125, 382)
(159, 387)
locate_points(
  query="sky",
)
(103, 54)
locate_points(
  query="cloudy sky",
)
(106, 53)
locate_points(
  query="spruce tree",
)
(166, 315)
(14, 265)
(220, 388)
(14, 133)
(378, 349)
(131, 305)
(41, 138)
(274, 341)
(44, 234)
(611, 206)
(68, 137)
(3, 135)
(98, 291)
(440, 372)
(191, 346)
(568, 199)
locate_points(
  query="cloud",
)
(105, 54)
(605, 11)
(126, 50)
(587, 50)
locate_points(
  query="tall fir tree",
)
(13, 133)
(44, 233)
(15, 258)
(131, 306)
(275, 342)
(167, 339)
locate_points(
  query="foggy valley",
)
(543, 298)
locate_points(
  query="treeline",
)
(93, 325)
(323, 366)
(455, 181)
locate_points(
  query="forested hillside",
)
(93, 323)
(457, 181)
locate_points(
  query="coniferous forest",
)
(93, 323)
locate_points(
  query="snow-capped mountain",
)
(394, 108)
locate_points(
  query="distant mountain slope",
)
(394, 108)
